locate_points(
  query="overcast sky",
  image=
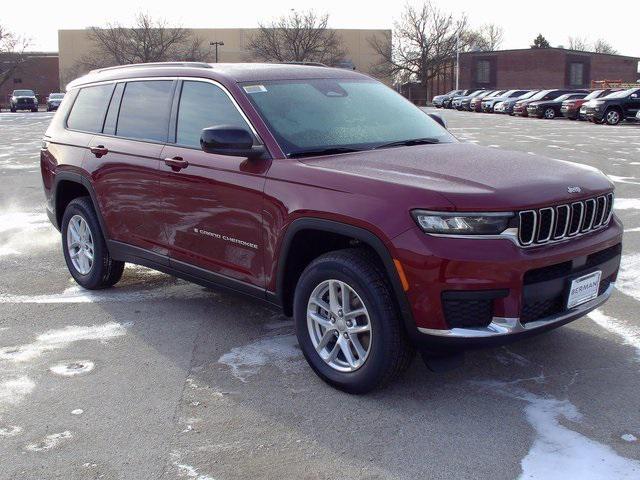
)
(522, 21)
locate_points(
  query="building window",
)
(483, 71)
(576, 74)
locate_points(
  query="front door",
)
(214, 202)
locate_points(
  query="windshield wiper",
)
(410, 142)
(323, 151)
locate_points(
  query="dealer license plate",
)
(583, 289)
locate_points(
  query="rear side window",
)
(144, 111)
(204, 105)
(89, 109)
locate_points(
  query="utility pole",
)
(458, 61)
(216, 44)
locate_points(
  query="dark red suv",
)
(324, 192)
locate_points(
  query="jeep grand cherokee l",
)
(290, 184)
(571, 108)
(23, 100)
(520, 107)
(550, 109)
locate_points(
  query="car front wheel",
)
(549, 114)
(85, 250)
(347, 324)
(612, 117)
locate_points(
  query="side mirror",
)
(228, 140)
(438, 119)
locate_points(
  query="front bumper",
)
(534, 111)
(569, 112)
(526, 286)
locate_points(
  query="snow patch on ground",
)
(626, 204)
(10, 431)
(14, 390)
(628, 437)
(190, 472)
(24, 232)
(627, 281)
(56, 339)
(559, 453)
(629, 180)
(72, 369)
(630, 334)
(247, 360)
(48, 442)
(77, 411)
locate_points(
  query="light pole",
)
(217, 44)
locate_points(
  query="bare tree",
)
(424, 43)
(487, 38)
(579, 43)
(12, 53)
(297, 37)
(602, 46)
(147, 40)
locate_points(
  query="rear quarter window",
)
(88, 111)
(145, 109)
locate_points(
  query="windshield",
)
(541, 94)
(622, 93)
(55, 96)
(594, 94)
(323, 114)
(527, 95)
(24, 93)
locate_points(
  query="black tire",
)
(13, 110)
(33, 110)
(390, 351)
(105, 271)
(549, 114)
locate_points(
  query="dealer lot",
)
(161, 379)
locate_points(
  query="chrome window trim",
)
(172, 78)
(551, 225)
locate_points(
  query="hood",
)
(471, 177)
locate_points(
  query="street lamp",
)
(217, 44)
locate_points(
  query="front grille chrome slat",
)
(557, 223)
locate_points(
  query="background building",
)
(39, 72)
(535, 68)
(74, 45)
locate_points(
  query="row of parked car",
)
(25, 99)
(609, 106)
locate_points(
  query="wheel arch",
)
(68, 186)
(288, 270)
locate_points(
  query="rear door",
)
(125, 163)
(215, 201)
(632, 104)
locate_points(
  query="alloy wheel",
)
(339, 325)
(80, 244)
(549, 113)
(613, 117)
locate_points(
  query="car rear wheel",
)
(549, 114)
(85, 250)
(347, 324)
(612, 117)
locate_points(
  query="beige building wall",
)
(74, 45)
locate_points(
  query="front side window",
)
(576, 74)
(144, 111)
(204, 105)
(89, 108)
(483, 72)
(315, 114)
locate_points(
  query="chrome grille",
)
(554, 224)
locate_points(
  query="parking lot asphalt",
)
(160, 379)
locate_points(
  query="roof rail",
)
(154, 64)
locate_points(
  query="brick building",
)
(38, 73)
(534, 68)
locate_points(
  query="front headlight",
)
(456, 223)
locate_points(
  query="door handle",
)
(176, 163)
(99, 150)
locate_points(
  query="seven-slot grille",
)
(553, 224)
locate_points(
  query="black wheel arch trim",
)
(361, 234)
(86, 183)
